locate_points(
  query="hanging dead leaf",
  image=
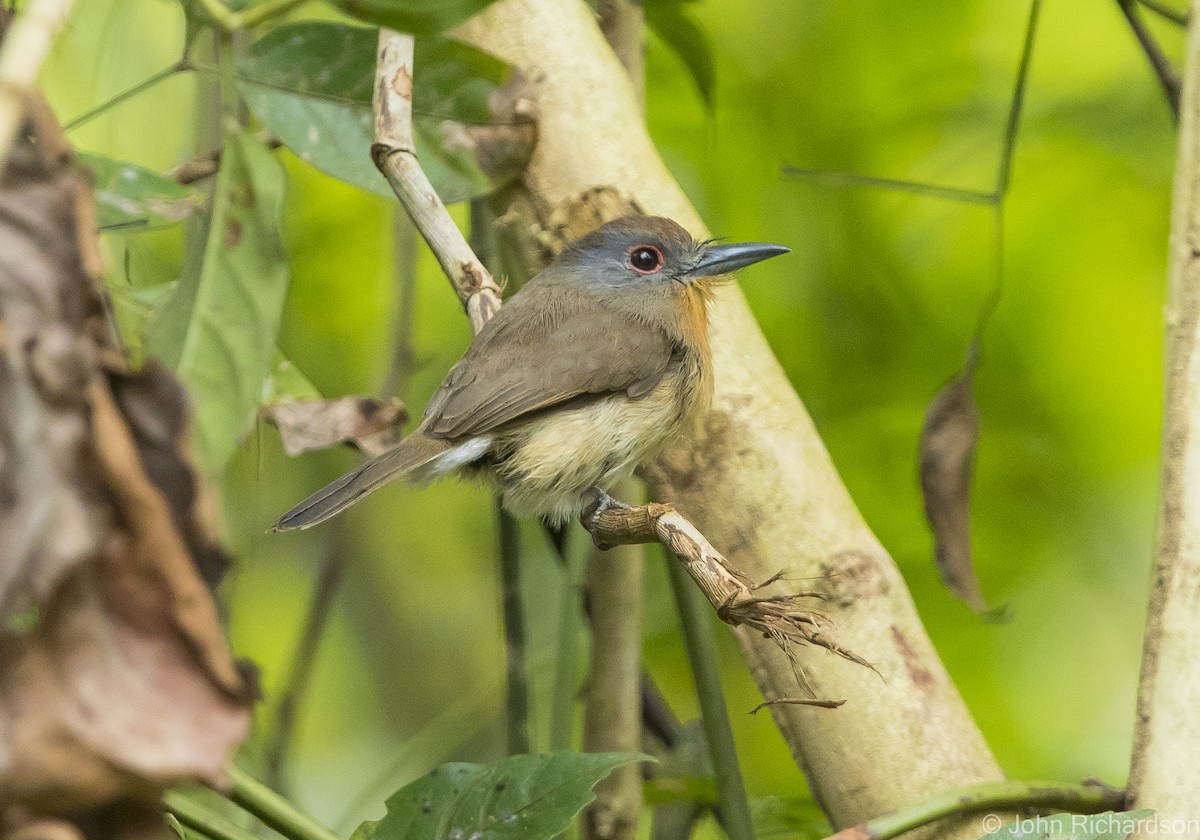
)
(116, 680)
(948, 439)
(371, 425)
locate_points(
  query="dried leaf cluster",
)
(116, 679)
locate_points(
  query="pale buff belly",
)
(546, 467)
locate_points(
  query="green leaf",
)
(218, 327)
(180, 831)
(420, 17)
(1107, 826)
(525, 797)
(683, 34)
(453, 80)
(311, 82)
(132, 196)
(287, 382)
(793, 818)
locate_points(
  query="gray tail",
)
(407, 457)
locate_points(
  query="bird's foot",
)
(598, 502)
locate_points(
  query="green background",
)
(869, 316)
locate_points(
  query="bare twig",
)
(395, 154)
(780, 618)
(206, 165)
(1165, 774)
(1176, 16)
(278, 740)
(26, 44)
(1167, 76)
(1086, 798)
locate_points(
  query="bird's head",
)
(645, 251)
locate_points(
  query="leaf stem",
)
(198, 818)
(1086, 798)
(273, 809)
(130, 92)
(329, 577)
(695, 615)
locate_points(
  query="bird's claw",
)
(600, 502)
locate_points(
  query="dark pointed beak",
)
(722, 259)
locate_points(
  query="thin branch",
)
(130, 92)
(26, 44)
(1176, 16)
(963, 195)
(1086, 798)
(273, 809)
(1166, 74)
(566, 658)
(516, 684)
(206, 165)
(1017, 105)
(701, 646)
(278, 740)
(394, 152)
(780, 618)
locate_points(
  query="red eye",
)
(645, 259)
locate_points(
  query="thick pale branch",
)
(25, 47)
(755, 477)
(1165, 773)
(395, 154)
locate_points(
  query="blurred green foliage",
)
(869, 317)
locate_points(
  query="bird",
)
(585, 374)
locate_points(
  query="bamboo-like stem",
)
(612, 712)
(566, 658)
(395, 155)
(1165, 772)
(1086, 798)
(273, 809)
(701, 642)
(516, 684)
(26, 44)
(198, 818)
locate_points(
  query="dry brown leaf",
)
(948, 439)
(116, 680)
(369, 424)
